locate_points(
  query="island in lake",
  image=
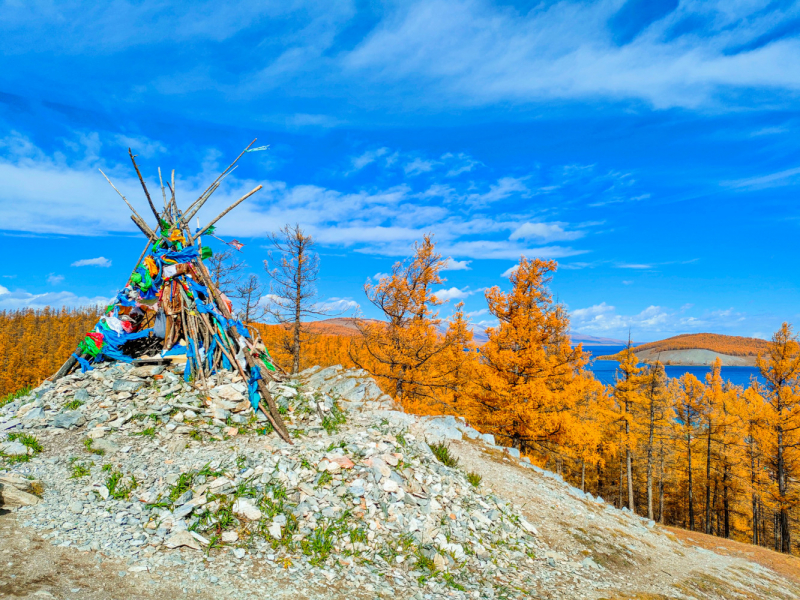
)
(699, 349)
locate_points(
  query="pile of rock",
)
(138, 463)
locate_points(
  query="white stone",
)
(244, 508)
(275, 531)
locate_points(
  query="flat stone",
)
(182, 538)
(11, 497)
(34, 414)
(106, 445)
(14, 448)
(122, 385)
(69, 419)
(229, 536)
(146, 371)
(228, 392)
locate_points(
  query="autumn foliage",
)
(35, 343)
(697, 453)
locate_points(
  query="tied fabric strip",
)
(252, 387)
(85, 366)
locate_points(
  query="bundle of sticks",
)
(170, 296)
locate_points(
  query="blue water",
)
(605, 370)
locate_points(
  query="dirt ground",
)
(32, 568)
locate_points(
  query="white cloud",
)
(21, 299)
(54, 279)
(367, 158)
(418, 165)
(51, 195)
(546, 232)
(459, 163)
(457, 265)
(504, 188)
(338, 305)
(100, 261)
(653, 322)
(640, 266)
(510, 271)
(453, 294)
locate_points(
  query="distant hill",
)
(347, 327)
(338, 326)
(696, 349)
(590, 340)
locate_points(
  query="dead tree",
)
(293, 267)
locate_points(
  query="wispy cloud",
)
(54, 279)
(546, 232)
(781, 178)
(100, 261)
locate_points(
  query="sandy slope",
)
(695, 357)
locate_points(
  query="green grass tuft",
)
(9, 398)
(474, 479)
(87, 443)
(442, 453)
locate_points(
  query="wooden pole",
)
(124, 199)
(230, 208)
(163, 191)
(273, 414)
(191, 206)
(144, 187)
(198, 204)
(143, 227)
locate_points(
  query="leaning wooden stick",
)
(229, 209)
(143, 227)
(198, 204)
(163, 192)
(124, 199)
(191, 206)
(144, 187)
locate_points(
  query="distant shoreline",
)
(694, 357)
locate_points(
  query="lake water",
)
(605, 370)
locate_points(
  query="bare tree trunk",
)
(297, 312)
(650, 458)
(726, 509)
(708, 479)
(583, 476)
(628, 460)
(691, 484)
(661, 486)
(785, 534)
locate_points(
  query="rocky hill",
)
(128, 482)
(700, 349)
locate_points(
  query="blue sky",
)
(649, 147)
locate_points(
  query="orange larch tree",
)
(530, 378)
